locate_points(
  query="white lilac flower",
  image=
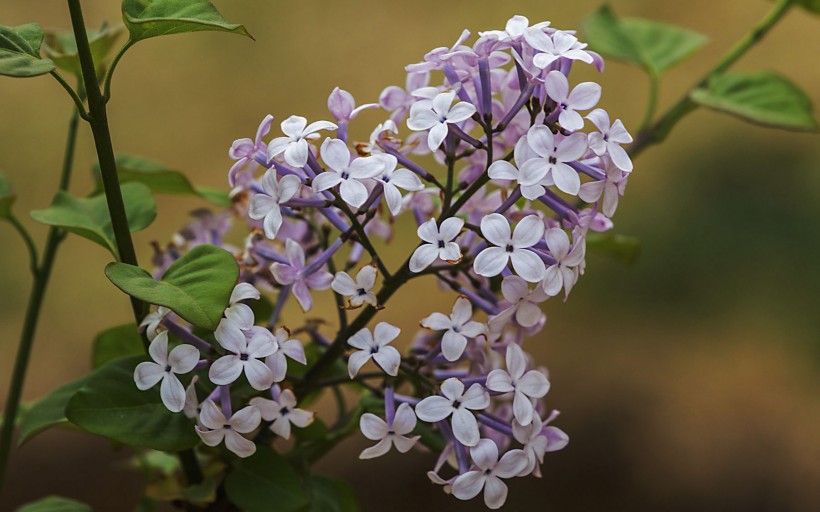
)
(292, 274)
(286, 346)
(531, 179)
(610, 189)
(165, 368)
(583, 97)
(267, 205)
(538, 439)
(295, 143)
(564, 272)
(152, 321)
(245, 349)
(346, 173)
(398, 101)
(440, 244)
(553, 155)
(375, 346)
(244, 150)
(360, 291)
(435, 115)
(517, 28)
(393, 179)
(458, 404)
(395, 434)
(238, 315)
(523, 303)
(342, 106)
(283, 413)
(510, 247)
(214, 427)
(560, 45)
(488, 473)
(527, 386)
(457, 328)
(609, 139)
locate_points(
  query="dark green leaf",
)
(265, 479)
(331, 495)
(55, 504)
(49, 411)
(109, 404)
(764, 98)
(20, 51)
(7, 197)
(88, 217)
(61, 48)
(160, 179)
(809, 5)
(620, 247)
(655, 46)
(196, 287)
(116, 343)
(152, 18)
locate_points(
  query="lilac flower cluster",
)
(528, 166)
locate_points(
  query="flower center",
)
(345, 175)
(441, 244)
(168, 369)
(284, 411)
(456, 404)
(553, 160)
(226, 426)
(509, 248)
(374, 349)
(361, 291)
(243, 357)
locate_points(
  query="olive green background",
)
(687, 381)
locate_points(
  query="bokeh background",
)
(687, 381)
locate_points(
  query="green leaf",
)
(49, 411)
(61, 48)
(196, 287)
(88, 217)
(620, 247)
(55, 504)
(20, 51)
(655, 46)
(160, 179)
(116, 343)
(812, 6)
(152, 18)
(331, 495)
(109, 404)
(265, 479)
(765, 98)
(7, 198)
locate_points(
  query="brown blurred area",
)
(687, 381)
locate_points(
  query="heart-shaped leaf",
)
(263, 479)
(20, 51)
(61, 48)
(49, 411)
(764, 98)
(151, 18)
(110, 405)
(116, 343)
(55, 504)
(88, 217)
(7, 198)
(655, 46)
(196, 287)
(160, 179)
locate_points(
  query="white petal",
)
(557, 86)
(343, 284)
(528, 232)
(238, 444)
(422, 257)
(522, 408)
(461, 111)
(158, 349)
(476, 397)
(183, 358)
(502, 170)
(259, 375)
(465, 427)
(450, 228)
(147, 375)
(541, 140)
(436, 136)
(404, 420)
(453, 389)
(527, 265)
(485, 454)
(513, 288)
(376, 450)
(296, 154)
(437, 322)
(453, 345)
(566, 179)
(225, 370)
(389, 359)
(571, 147)
(372, 426)
(491, 261)
(495, 492)
(570, 120)
(356, 361)
(385, 333)
(272, 222)
(496, 229)
(468, 485)
(353, 192)
(434, 408)
(499, 381)
(584, 96)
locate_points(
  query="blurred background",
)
(687, 381)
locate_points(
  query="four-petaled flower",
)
(510, 247)
(523, 303)
(457, 328)
(561, 45)
(283, 413)
(360, 291)
(165, 368)
(538, 439)
(346, 173)
(435, 115)
(238, 315)
(267, 205)
(393, 179)
(583, 97)
(395, 434)
(439, 244)
(246, 348)
(488, 473)
(289, 347)
(214, 427)
(152, 321)
(294, 144)
(531, 179)
(553, 155)
(292, 274)
(610, 188)
(609, 139)
(564, 272)
(375, 346)
(244, 150)
(456, 403)
(526, 385)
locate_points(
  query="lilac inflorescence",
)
(503, 165)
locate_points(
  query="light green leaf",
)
(160, 179)
(331, 495)
(88, 217)
(655, 46)
(196, 287)
(55, 504)
(20, 51)
(61, 48)
(620, 247)
(151, 18)
(49, 411)
(264, 479)
(110, 405)
(764, 98)
(116, 343)
(7, 198)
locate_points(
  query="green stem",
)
(41, 275)
(78, 101)
(110, 73)
(658, 131)
(652, 104)
(32, 249)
